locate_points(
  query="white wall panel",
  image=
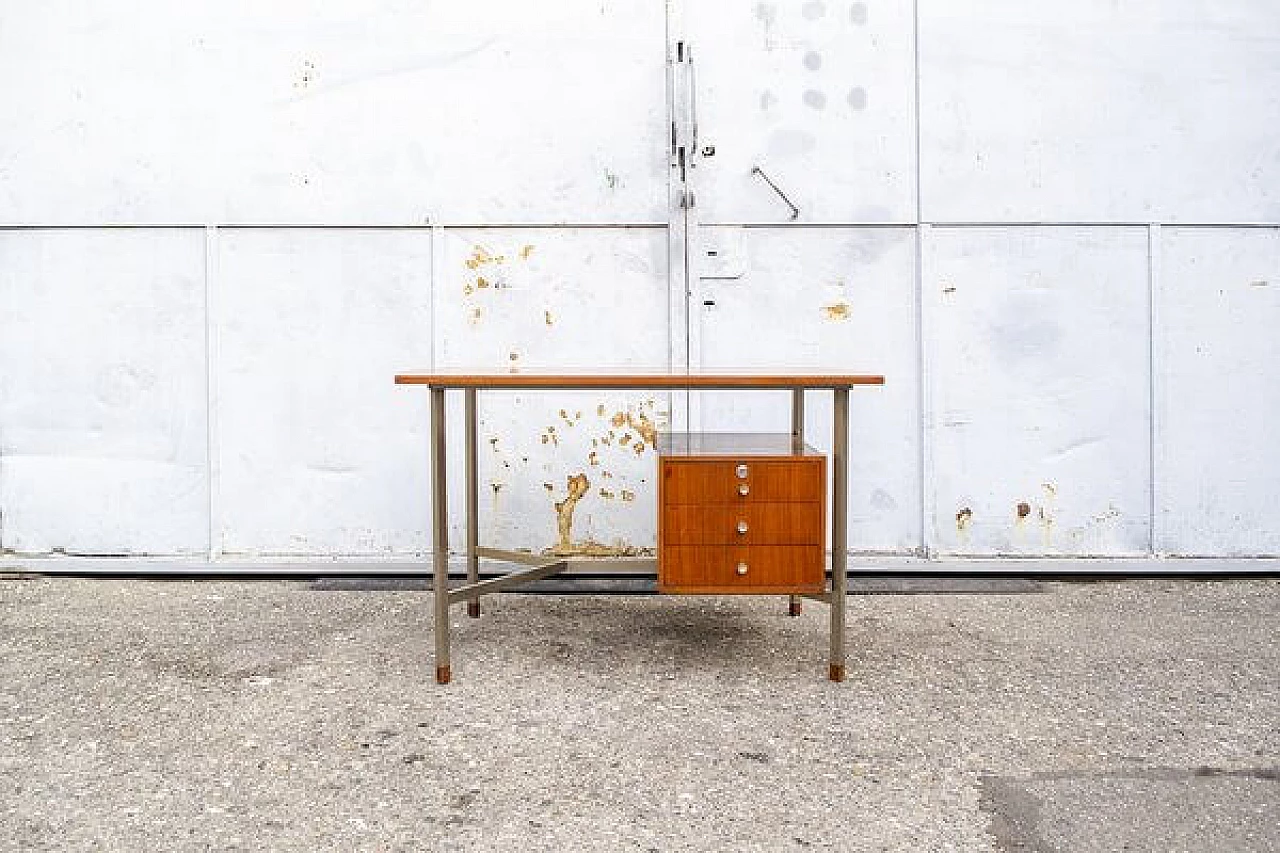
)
(835, 300)
(102, 391)
(1218, 461)
(819, 95)
(1094, 111)
(1039, 389)
(318, 452)
(352, 112)
(560, 301)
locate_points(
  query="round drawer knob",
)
(742, 471)
(742, 527)
(744, 489)
(742, 568)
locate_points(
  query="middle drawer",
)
(744, 524)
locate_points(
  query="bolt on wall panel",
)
(1097, 111)
(102, 391)
(572, 473)
(359, 112)
(317, 450)
(819, 96)
(1217, 351)
(1038, 381)
(823, 300)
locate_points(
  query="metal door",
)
(796, 206)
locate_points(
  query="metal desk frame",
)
(540, 566)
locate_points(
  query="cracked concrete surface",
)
(209, 715)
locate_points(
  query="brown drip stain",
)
(577, 485)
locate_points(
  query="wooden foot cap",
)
(837, 672)
(794, 607)
(442, 674)
(473, 609)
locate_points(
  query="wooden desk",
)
(539, 566)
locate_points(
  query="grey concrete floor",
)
(153, 715)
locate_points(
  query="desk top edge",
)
(636, 380)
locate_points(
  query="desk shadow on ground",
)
(685, 635)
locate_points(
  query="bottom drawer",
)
(741, 568)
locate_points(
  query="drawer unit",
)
(740, 514)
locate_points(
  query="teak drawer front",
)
(743, 524)
(695, 481)
(714, 569)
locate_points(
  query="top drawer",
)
(697, 481)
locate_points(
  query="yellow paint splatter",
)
(546, 317)
(526, 252)
(600, 410)
(481, 281)
(628, 495)
(839, 311)
(605, 493)
(479, 256)
(593, 458)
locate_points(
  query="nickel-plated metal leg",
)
(473, 499)
(839, 529)
(797, 420)
(797, 446)
(440, 535)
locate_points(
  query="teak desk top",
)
(452, 379)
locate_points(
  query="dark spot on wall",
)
(858, 13)
(963, 517)
(815, 99)
(813, 60)
(1024, 509)
(857, 98)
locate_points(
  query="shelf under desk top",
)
(702, 381)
